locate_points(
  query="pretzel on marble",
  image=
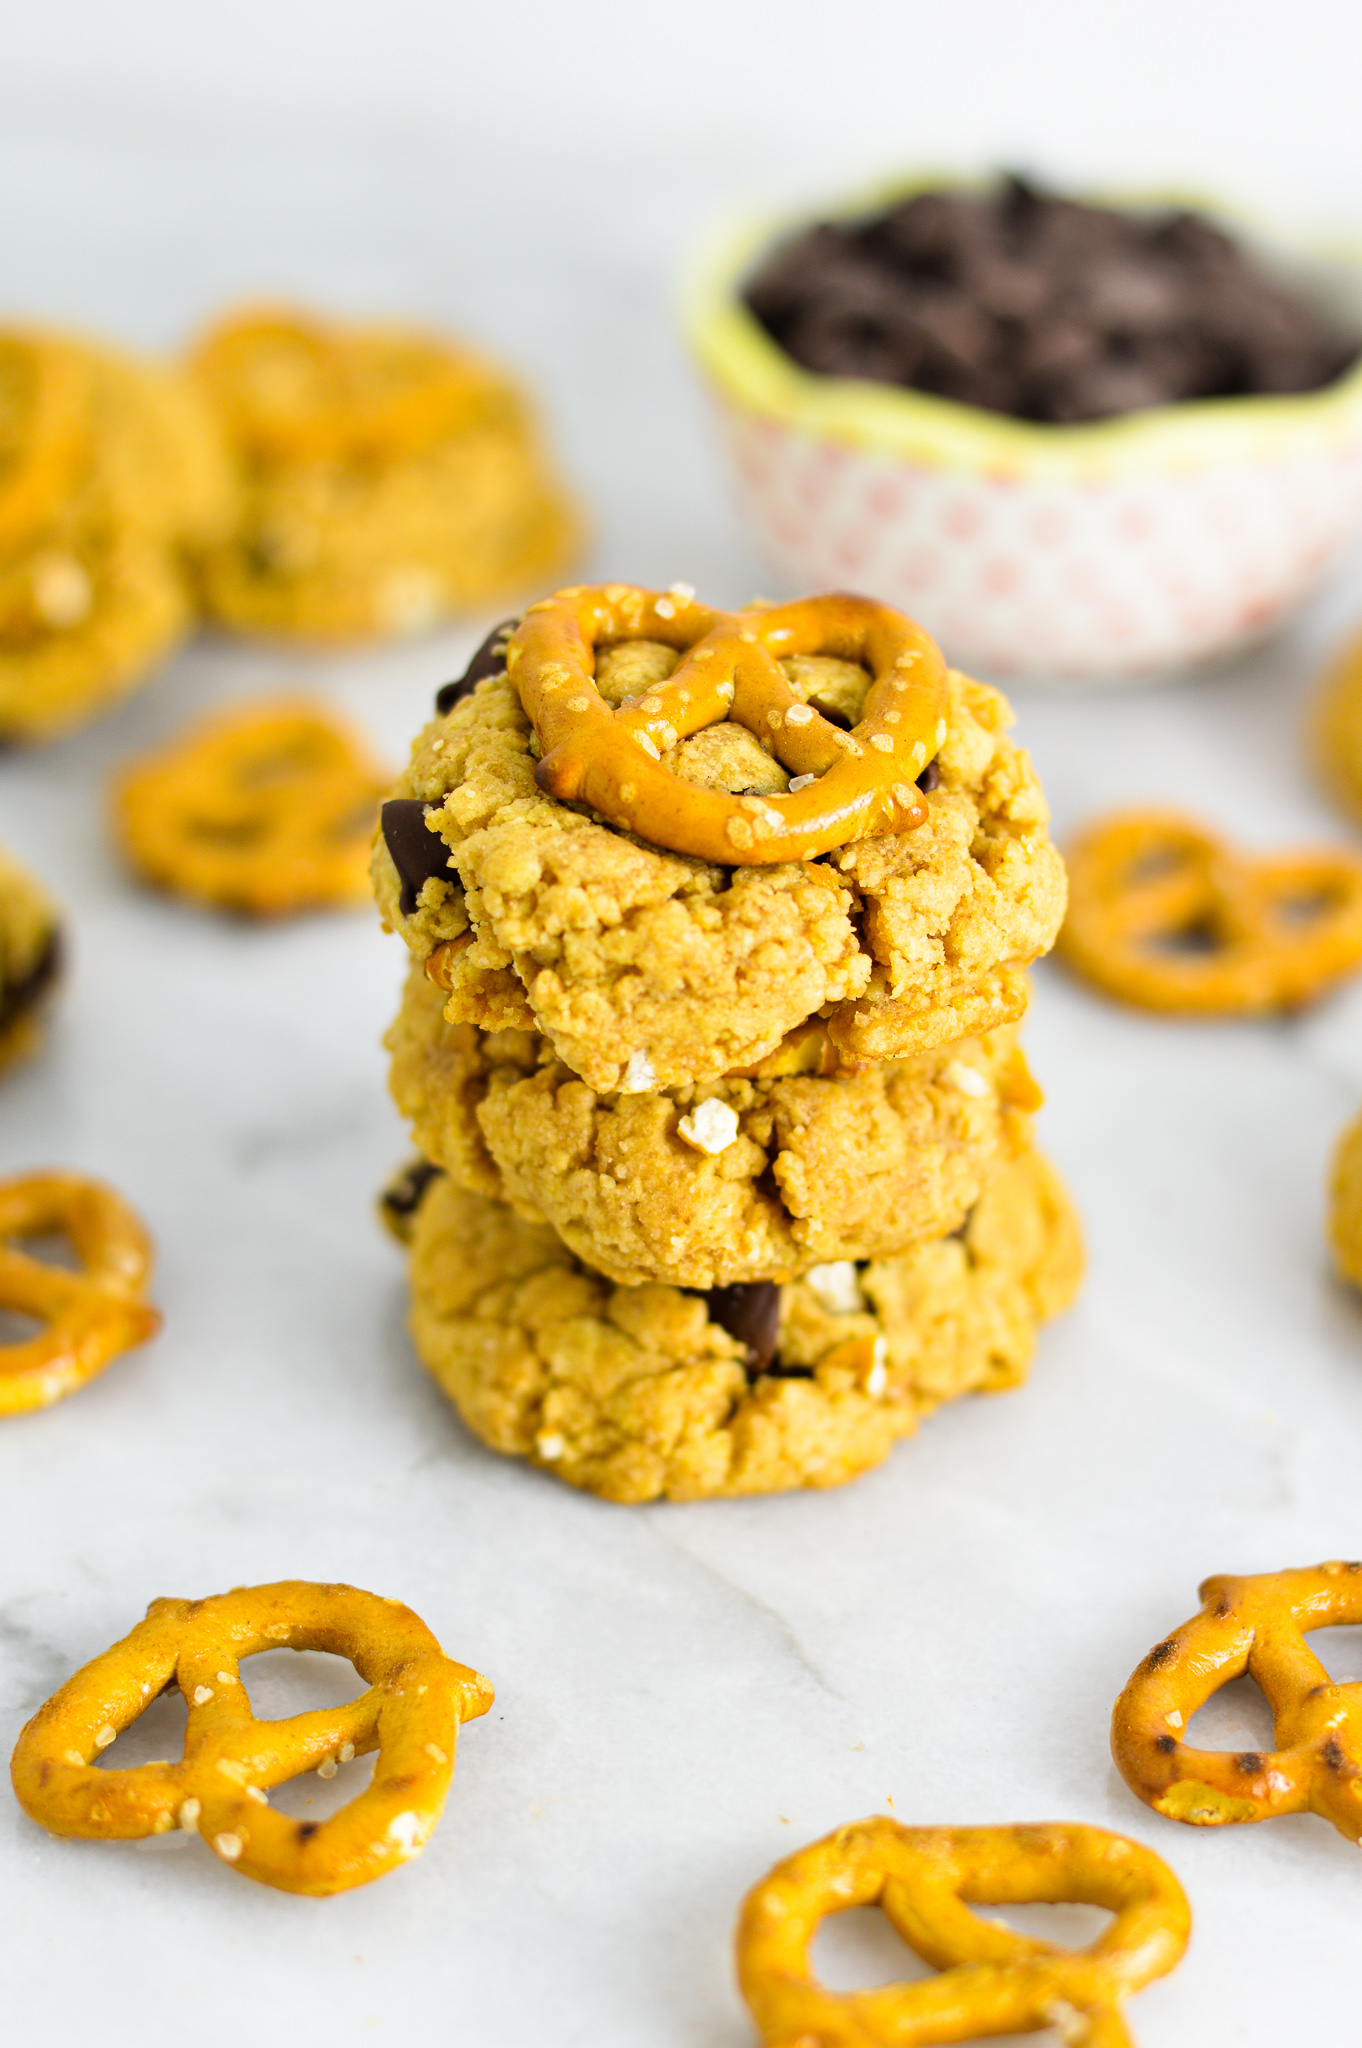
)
(1165, 915)
(992, 1981)
(1256, 1624)
(268, 809)
(91, 1314)
(411, 1713)
(55, 381)
(298, 389)
(846, 785)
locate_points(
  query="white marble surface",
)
(684, 1694)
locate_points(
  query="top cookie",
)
(648, 967)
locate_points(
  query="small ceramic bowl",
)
(1154, 541)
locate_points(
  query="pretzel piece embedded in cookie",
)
(268, 809)
(91, 1314)
(992, 1981)
(417, 1698)
(1165, 915)
(1258, 1625)
(847, 785)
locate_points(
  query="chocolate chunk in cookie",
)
(751, 1313)
(418, 854)
(23, 994)
(490, 660)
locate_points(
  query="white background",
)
(683, 1694)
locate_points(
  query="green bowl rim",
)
(751, 370)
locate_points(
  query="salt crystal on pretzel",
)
(851, 785)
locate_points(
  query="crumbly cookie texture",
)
(634, 1393)
(1345, 1204)
(649, 969)
(745, 1178)
(30, 947)
(95, 580)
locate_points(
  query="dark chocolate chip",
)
(402, 1197)
(490, 660)
(18, 997)
(1023, 303)
(929, 778)
(417, 853)
(749, 1311)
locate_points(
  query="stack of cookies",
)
(719, 927)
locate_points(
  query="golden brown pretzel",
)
(47, 384)
(267, 809)
(1165, 915)
(992, 1981)
(1256, 1625)
(91, 1315)
(297, 389)
(411, 1713)
(852, 784)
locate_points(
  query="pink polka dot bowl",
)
(1157, 541)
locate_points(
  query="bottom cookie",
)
(638, 1393)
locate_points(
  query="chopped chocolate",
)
(1041, 307)
(929, 778)
(490, 660)
(749, 1311)
(417, 852)
(402, 1196)
(18, 997)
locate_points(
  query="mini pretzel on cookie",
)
(1256, 1625)
(992, 1980)
(90, 1315)
(1165, 915)
(416, 1699)
(268, 809)
(848, 785)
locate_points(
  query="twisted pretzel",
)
(411, 1713)
(852, 784)
(45, 392)
(298, 389)
(1164, 915)
(1256, 1625)
(91, 1315)
(993, 1980)
(268, 809)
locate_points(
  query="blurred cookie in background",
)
(390, 479)
(1345, 1204)
(1336, 728)
(30, 959)
(112, 480)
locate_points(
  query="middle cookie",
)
(756, 1176)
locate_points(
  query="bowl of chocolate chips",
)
(1081, 442)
